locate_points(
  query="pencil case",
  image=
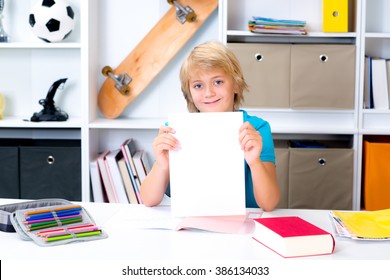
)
(56, 225)
(7, 210)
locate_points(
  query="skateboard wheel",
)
(170, 2)
(191, 17)
(106, 70)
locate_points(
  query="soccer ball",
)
(52, 20)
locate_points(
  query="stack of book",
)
(277, 26)
(117, 175)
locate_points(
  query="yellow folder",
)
(366, 224)
(335, 15)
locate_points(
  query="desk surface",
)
(125, 243)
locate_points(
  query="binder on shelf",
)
(335, 15)
(380, 91)
(388, 77)
(368, 102)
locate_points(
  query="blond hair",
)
(209, 56)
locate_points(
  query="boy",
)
(212, 81)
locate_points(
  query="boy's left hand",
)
(251, 143)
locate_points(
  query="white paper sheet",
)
(207, 171)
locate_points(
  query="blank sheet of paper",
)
(207, 171)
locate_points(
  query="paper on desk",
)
(160, 217)
(207, 171)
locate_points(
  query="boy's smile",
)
(212, 91)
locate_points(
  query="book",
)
(139, 158)
(161, 218)
(128, 149)
(145, 163)
(379, 83)
(98, 192)
(115, 176)
(106, 180)
(292, 236)
(127, 181)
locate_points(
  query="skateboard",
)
(124, 83)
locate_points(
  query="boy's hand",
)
(251, 143)
(162, 144)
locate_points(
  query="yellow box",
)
(335, 15)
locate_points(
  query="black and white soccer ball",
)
(52, 20)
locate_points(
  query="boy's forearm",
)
(265, 185)
(154, 186)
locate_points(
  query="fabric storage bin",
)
(321, 178)
(376, 175)
(51, 169)
(282, 166)
(266, 68)
(315, 76)
(9, 172)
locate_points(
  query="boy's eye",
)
(197, 86)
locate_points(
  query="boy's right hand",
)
(162, 144)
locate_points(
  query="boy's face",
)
(212, 91)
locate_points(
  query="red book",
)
(292, 236)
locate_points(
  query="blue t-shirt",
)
(267, 154)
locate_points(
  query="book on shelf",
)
(98, 192)
(362, 225)
(115, 176)
(106, 180)
(292, 236)
(129, 149)
(380, 91)
(142, 165)
(127, 181)
(145, 163)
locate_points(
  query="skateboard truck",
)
(121, 81)
(183, 14)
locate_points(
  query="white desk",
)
(143, 244)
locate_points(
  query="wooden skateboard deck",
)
(150, 56)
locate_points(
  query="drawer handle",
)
(50, 160)
(322, 161)
(259, 57)
(323, 58)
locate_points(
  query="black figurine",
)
(49, 111)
